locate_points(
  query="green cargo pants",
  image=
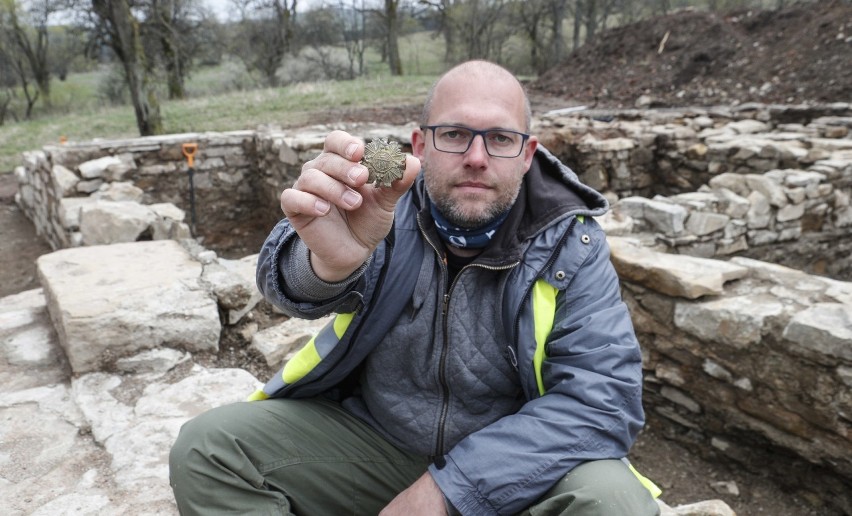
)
(312, 458)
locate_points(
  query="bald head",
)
(480, 73)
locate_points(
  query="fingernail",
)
(322, 206)
(355, 172)
(351, 198)
(350, 149)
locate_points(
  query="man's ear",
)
(418, 143)
(529, 152)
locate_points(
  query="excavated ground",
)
(800, 54)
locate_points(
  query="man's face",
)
(471, 189)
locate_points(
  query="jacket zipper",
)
(445, 346)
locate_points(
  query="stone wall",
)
(705, 183)
(236, 180)
(749, 361)
(668, 152)
(744, 359)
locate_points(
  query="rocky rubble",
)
(91, 432)
(744, 359)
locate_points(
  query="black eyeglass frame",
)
(475, 133)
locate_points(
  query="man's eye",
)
(500, 138)
(454, 135)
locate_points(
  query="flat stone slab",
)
(113, 301)
(675, 275)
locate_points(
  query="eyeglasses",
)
(457, 139)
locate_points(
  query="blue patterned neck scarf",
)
(476, 238)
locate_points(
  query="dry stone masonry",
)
(745, 358)
(769, 182)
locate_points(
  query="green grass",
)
(218, 101)
(291, 106)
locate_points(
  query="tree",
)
(541, 21)
(26, 42)
(472, 29)
(265, 35)
(390, 17)
(121, 30)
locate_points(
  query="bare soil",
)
(800, 54)
(683, 476)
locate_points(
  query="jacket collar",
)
(549, 193)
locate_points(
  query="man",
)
(482, 361)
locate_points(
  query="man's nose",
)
(477, 153)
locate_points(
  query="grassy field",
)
(292, 105)
(81, 111)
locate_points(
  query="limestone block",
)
(802, 178)
(611, 144)
(734, 321)
(728, 246)
(278, 343)
(843, 217)
(152, 361)
(790, 212)
(232, 281)
(701, 201)
(168, 229)
(89, 186)
(769, 188)
(674, 275)
(842, 199)
(731, 204)
(730, 181)
(665, 217)
(679, 397)
(824, 329)
(169, 222)
(748, 127)
(701, 223)
(137, 435)
(117, 300)
(758, 237)
(95, 169)
(796, 195)
(616, 223)
(119, 191)
(64, 181)
(108, 222)
(760, 212)
(790, 233)
(168, 210)
(717, 371)
(45, 458)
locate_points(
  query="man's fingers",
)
(314, 193)
(344, 144)
(295, 203)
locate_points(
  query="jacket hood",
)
(549, 192)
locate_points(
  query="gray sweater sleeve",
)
(300, 281)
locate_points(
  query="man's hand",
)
(422, 498)
(336, 214)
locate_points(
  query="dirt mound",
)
(799, 54)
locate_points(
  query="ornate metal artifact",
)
(384, 160)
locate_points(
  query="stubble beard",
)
(459, 214)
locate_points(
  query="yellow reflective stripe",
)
(581, 218)
(301, 364)
(645, 481)
(308, 357)
(544, 312)
(341, 322)
(257, 395)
